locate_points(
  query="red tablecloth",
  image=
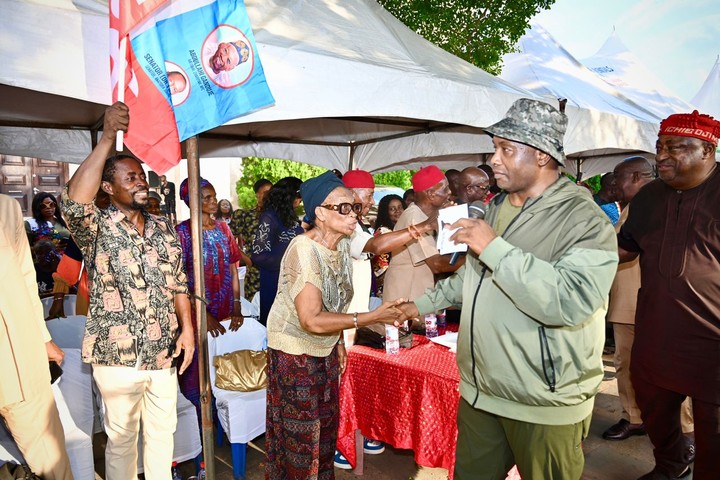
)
(409, 401)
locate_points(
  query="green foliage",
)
(255, 168)
(398, 178)
(592, 182)
(478, 31)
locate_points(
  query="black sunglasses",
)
(345, 208)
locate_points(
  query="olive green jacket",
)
(533, 308)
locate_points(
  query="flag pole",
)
(193, 162)
(122, 59)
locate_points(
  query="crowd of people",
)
(547, 266)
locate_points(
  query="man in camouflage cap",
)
(533, 294)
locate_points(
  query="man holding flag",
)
(139, 314)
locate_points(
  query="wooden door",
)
(23, 177)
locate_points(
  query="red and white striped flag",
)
(152, 134)
(191, 65)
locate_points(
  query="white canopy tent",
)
(350, 81)
(617, 126)
(353, 86)
(707, 98)
(621, 68)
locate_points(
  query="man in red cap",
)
(413, 266)
(674, 227)
(362, 246)
(363, 186)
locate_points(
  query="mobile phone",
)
(56, 371)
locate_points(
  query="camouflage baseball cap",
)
(536, 124)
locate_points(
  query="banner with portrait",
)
(205, 62)
(190, 66)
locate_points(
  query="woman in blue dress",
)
(277, 226)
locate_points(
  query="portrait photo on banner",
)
(227, 57)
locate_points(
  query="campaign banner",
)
(152, 134)
(190, 66)
(205, 62)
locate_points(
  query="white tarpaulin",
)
(622, 69)
(707, 98)
(349, 80)
(605, 125)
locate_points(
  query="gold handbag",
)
(241, 371)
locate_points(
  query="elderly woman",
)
(305, 350)
(222, 287)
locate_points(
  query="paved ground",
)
(604, 460)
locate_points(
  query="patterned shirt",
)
(133, 280)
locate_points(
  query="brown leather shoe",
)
(622, 430)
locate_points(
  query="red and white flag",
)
(152, 134)
(191, 65)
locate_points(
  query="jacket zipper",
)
(550, 378)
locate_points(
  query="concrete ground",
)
(604, 460)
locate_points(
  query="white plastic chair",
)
(67, 332)
(241, 414)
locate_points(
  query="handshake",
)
(394, 313)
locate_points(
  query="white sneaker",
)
(341, 461)
(373, 447)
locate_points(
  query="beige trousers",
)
(131, 395)
(624, 337)
(35, 425)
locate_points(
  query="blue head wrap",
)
(315, 190)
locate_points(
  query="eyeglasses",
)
(345, 208)
(478, 186)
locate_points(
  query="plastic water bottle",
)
(201, 473)
(174, 472)
(392, 340)
(441, 323)
(431, 329)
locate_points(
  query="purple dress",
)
(220, 251)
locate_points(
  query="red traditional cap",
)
(696, 125)
(427, 177)
(358, 179)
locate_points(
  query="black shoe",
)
(658, 475)
(622, 430)
(689, 454)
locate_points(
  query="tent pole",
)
(578, 166)
(191, 145)
(351, 159)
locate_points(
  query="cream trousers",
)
(129, 396)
